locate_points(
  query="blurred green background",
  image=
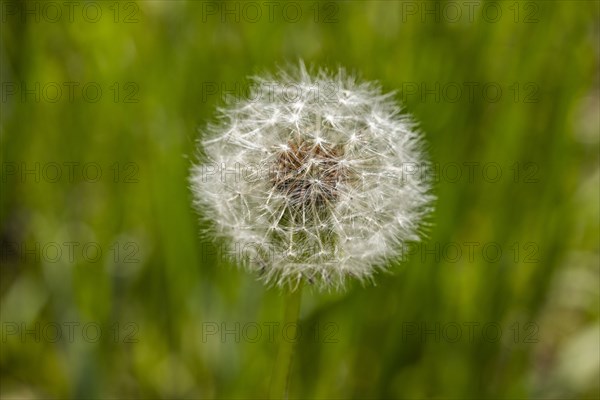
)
(109, 289)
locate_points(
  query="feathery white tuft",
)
(312, 178)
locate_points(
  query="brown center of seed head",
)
(308, 173)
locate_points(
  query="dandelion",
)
(311, 178)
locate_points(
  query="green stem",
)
(283, 363)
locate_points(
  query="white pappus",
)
(310, 177)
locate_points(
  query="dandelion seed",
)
(324, 194)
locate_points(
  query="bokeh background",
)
(109, 290)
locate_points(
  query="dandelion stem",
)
(283, 364)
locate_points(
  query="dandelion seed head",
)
(308, 176)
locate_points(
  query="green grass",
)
(166, 286)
